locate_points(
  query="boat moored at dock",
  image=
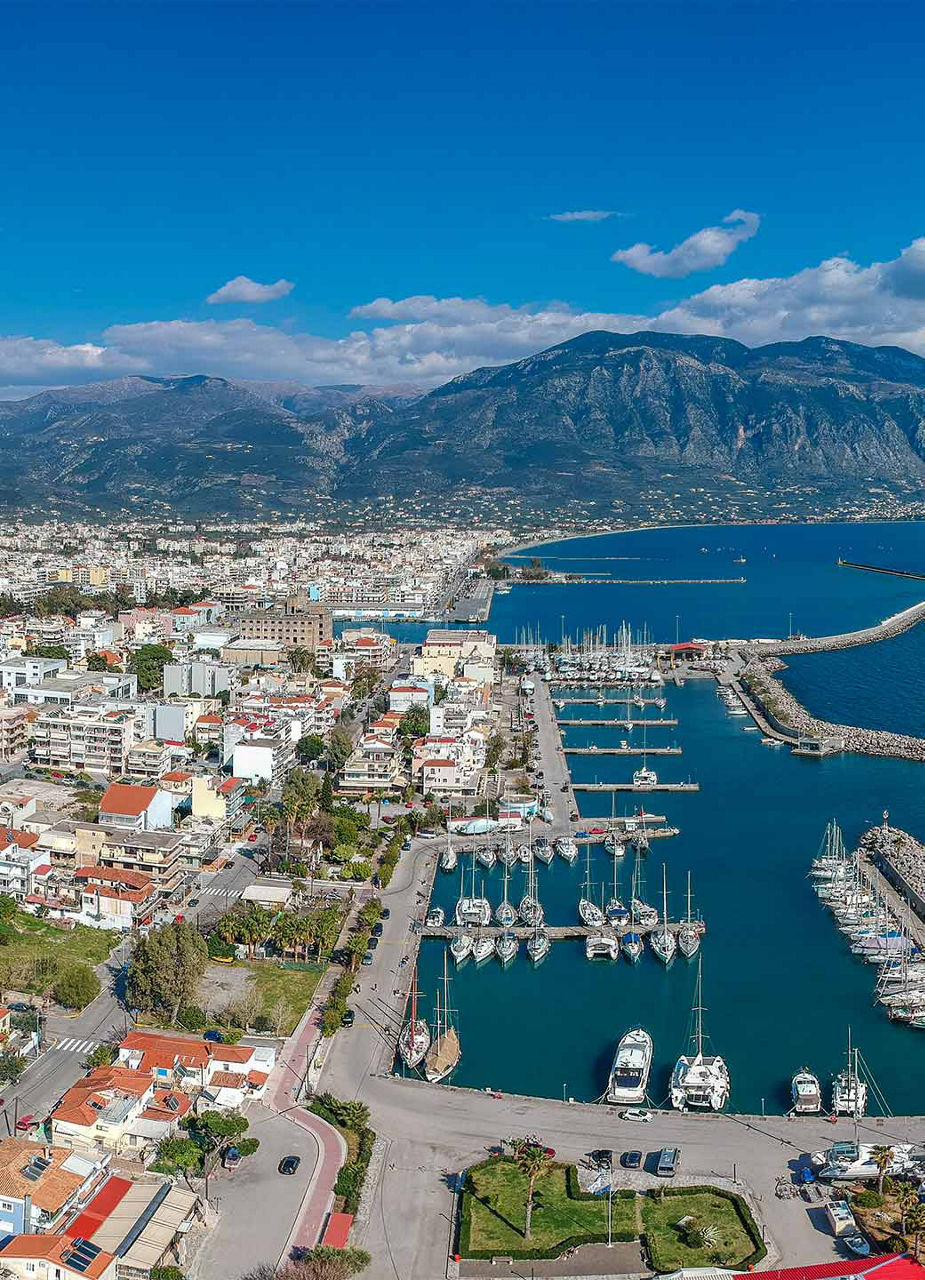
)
(629, 1075)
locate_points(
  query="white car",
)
(638, 1114)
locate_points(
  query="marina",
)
(748, 838)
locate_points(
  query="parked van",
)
(669, 1160)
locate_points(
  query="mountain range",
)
(591, 420)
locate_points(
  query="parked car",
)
(639, 1114)
(231, 1158)
(289, 1164)
(215, 1036)
(193, 902)
(669, 1161)
(377, 930)
(252, 838)
(386, 913)
(631, 1160)
(368, 958)
(373, 943)
(26, 1122)
(348, 1019)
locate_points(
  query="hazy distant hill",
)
(589, 417)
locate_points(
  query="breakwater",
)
(877, 568)
(885, 630)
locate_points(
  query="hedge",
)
(352, 1175)
(743, 1211)
(464, 1224)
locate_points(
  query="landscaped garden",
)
(682, 1226)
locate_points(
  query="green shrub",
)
(868, 1199)
(192, 1018)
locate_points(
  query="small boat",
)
(663, 942)
(538, 945)
(472, 910)
(444, 1053)
(589, 913)
(615, 911)
(604, 946)
(699, 1080)
(543, 850)
(644, 915)
(483, 948)
(435, 918)
(849, 1091)
(449, 860)
(859, 1245)
(461, 947)
(644, 779)
(414, 1039)
(505, 914)
(567, 849)
(629, 1075)
(806, 1093)
(530, 909)
(614, 845)
(487, 857)
(506, 947)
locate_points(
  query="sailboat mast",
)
(700, 1007)
(688, 897)
(665, 896)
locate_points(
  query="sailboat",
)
(414, 1040)
(483, 947)
(472, 910)
(612, 842)
(615, 911)
(487, 856)
(449, 860)
(538, 943)
(461, 947)
(444, 1053)
(629, 1075)
(530, 908)
(663, 941)
(849, 1091)
(699, 1080)
(543, 850)
(631, 942)
(688, 934)
(506, 947)
(588, 910)
(504, 912)
(644, 779)
(567, 848)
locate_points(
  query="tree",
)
(340, 745)
(907, 1197)
(882, 1158)
(11, 1067)
(345, 1112)
(8, 908)
(148, 664)
(165, 969)
(76, 985)
(320, 1263)
(180, 1155)
(356, 949)
(326, 800)
(533, 1160)
(915, 1221)
(310, 747)
(96, 662)
(299, 658)
(415, 723)
(101, 1056)
(247, 1147)
(50, 651)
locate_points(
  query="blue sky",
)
(413, 153)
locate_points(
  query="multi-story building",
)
(292, 627)
(264, 759)
(445, 652)
(19, 858)
(14, 733)
(84, 739)
(119, 1111)
(160, 855)
(375, 764)
(148, 760)
(43, 1187)
(206, 679)
(19, 673)
(111, 898)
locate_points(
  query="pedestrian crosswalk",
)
(71, 1044)
(216, 890)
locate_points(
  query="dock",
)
(606, 702)
(639, 791)
(557, 932)
(620, 723)
(622, 751)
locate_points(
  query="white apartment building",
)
(84, 739)
(375, 764)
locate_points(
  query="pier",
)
(557, 932)
(628, 723)
(639, 791)
(876, 568)
(625, 701)
(622, 751)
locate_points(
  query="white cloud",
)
(584, 215)
(709, 247)
(242, 289)
(428, 340)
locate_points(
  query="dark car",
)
(373, 944)
(386, 913)
(193, 902)
(348, 1019)
(289, 1164)
(215, 1036)
(377, 930)
(19, 1006)
(368, 958)
(631, 1160)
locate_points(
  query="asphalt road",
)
(257, 1205)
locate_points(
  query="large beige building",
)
(305, 626)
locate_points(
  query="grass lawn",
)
(35, 951)
(497, 1206)
(668, 1251)
(295, 986)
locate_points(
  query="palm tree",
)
(533, 1160)
(907, 1197)
(915, 1220)
(379, 796)
(882, 1158)
(299, 658)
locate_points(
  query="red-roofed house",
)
(19, 860)
(218, 798)
(230, 1074)
(132, 808)
(32, 1257)
(119, 1110)
(113, 898)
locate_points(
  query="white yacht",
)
(614, 845)
(525, 853)
(483, 948)
(471, 909)
(589, 912)
(663, 942)
(435, 918)
(414, 1038)
(806, 1093)
(505, 914)
(506, 947)
(461, 947)
(543, 850)
(567, 849)
(699, 1080)
(602, 946)
(632, 945)
(449, 860)
(530, 909)
(487, 856)
(849, 1091)
(629, 1075)
(645, 779)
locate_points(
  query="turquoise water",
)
(780, 985)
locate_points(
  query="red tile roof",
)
(99, 1209)
(54, 1249)
(125, 800)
